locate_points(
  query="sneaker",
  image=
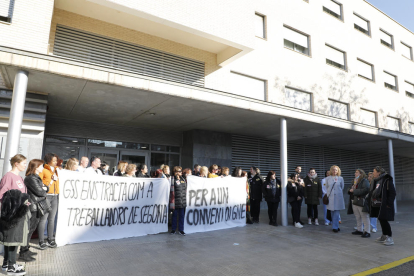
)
(181, 233)
(366, 235)
(25, 257)
(172, 232)
(381, 239)
(298, 225)
(16, 269)
(389, 241)
(374, 230)
(31, 253)
(326, 223)
(42, 245)
(335, 230)
(310, 221)
(357, 233)
(4, 267)
(316, 222)
(51, 243)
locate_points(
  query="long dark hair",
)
(236, 171)
(269, 175)
(33, 165)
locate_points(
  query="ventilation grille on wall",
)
(265, 154)
(112, 53)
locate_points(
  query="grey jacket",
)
(335, 193)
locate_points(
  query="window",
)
(407, 51)
(386, 39)
(298, 99)
(368, 117)
(296, 41)
(365, 70)
(6, 10)
(409, 89)
(248, 86)
(393, 123)
(259, 25)
(361, 24)
(390, 81)
(411, 128)
(335, 57)
(338, 109)
(333, 8)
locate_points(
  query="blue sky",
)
(399, 10)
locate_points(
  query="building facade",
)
(236, 83)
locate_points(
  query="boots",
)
(25, 257)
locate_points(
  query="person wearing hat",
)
(256, 183)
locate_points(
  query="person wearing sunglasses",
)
(212, 171)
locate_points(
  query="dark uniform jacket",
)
(387, 192)
(272, 190)
(180, 192)
(313, 190)
(294, 192)
(256, 183)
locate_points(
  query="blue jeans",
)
(335, 219)
(373, 223)
(180, 212)
(324, 212)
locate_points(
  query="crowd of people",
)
(32, 203)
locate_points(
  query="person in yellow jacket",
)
(50, 179)
(212, 171)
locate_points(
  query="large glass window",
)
(298, 99)
(119, 145)
(335, 57)
(365, 70)
(296, 41)
(158, 159)
(386, 39)
(390, 81)
(411, 128)
(393, 123)
(247, 86)
(409, 89)
(407, 51)
(333, 8)
(361, 24)
(338, 109)
(368, 117)
(64, 152)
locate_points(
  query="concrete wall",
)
(30, 26)
(206, 148)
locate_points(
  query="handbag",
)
(44, 206)
(326, 197)
(375, 198)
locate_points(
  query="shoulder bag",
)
(326, 197)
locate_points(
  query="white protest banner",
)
(215, 203)
(94, 207)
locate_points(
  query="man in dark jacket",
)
(271, 192)
(180, 198)
(382, 203)
(256, 183)
(143, 171)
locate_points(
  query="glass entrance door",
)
(110, 157)
(133, 157)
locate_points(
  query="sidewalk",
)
(258, 249)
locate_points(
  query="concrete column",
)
(392, 171)
(283, 170)
(16, 118)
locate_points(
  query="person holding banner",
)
(237, 172)
(130, 171)
(51, 180)
(179, 193)
(225, 171)
(212, 171)
(121, 168)
(14, 219)
(72, 164)
(203, 172)
(272, 191)
(166, 172)
(256, 183)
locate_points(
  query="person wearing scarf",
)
(313, 194)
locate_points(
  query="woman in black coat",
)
(36, 192)
(271, 192)
(313, 194)
(295, 195)
(382, 203)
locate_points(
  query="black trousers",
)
(10, 255)
(312, 211)
(300, 206)
(255, 208)
(386, 227)
(295, 210)
(272, 210)
(34, 221)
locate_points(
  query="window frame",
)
(372, 70)
(411, 50)
(409, 94)
(302, 91)
(266, 88)
(264, 25)
(375, 114)
(348, 110)
(341, 16)
(385, 43)
(302, 33)
(399, 123)
(345, 58)
(396, 82)
(411, 125)
(369, 25)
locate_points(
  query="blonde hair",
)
(204, 170)
(332, 168)
(71, 162)
(130, 168)
(122, 165)
(18, 158)
(164, 168)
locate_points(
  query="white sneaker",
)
(326, 223)
(374, 230)
(298, 225)
(310, 221)
(389, 241)
(316, 222)
(16, 270)
(383, 238)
